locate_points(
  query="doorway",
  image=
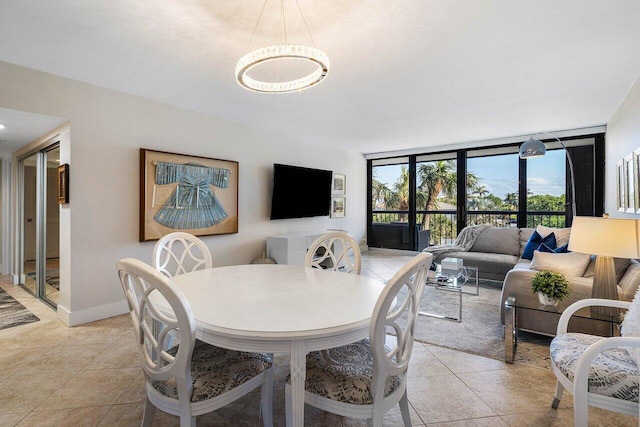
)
(40, 224)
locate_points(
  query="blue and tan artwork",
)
(186, 193)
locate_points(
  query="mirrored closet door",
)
(40, 224)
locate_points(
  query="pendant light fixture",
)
(286, 51)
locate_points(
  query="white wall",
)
(107, 130)
(623, 137)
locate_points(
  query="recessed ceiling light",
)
(1, 126)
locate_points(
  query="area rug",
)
(480, 331)
(12, 313)
(52, 277)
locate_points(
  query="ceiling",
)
(405, 74)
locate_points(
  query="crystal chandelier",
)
(288, 51)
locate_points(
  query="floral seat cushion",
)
(613, 372)
(216, 370)
(344, 374)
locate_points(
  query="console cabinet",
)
(291, 248)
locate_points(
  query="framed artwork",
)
(629, 170)
(63, 184)
(197, 195)
(620, 185)
(636, 179)
(338, 207)
(339, 184)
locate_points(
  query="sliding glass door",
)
(40, 224)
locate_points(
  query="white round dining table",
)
(277, 308)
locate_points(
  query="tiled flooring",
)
(51, 375)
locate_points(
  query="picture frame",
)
(63, 184)
(338, 207)
(621, 186)
(636, 178)
(338, 184)
(179, 192)
(630, 181)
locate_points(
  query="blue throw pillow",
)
(559, 250)
(534, 243)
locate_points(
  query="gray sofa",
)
(497, 253)
(518, 283)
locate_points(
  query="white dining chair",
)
(192, 378)
(367, 378)
(180, 252)
(335, 250)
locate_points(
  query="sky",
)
(499, 174)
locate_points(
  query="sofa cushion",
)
(559, 250)
(490, 266)
(571, 264)
(628, 284)
(498, 240)
(525, 234)
(562, 234)
(631, 326)
(535, 241)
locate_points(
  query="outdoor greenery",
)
(436, 191)
(554, 285)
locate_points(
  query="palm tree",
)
(379, 192)
(400, 194)
(436, 179)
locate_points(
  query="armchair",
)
(598, 371)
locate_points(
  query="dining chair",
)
(180, 252)
(598, 371)
(335, 250)
(194, 377)
(369, 377)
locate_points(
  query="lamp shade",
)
(532, 148)
(616, 238)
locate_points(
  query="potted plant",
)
(551, 287)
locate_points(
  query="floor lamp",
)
(536, 148)
(607, 238)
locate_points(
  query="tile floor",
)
(52, 375)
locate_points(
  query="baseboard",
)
(14, 279)
(92, 314)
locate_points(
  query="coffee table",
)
(580, 319)
(454, 284)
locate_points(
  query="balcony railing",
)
(442, 225)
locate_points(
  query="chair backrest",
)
(396, 312)
(143, 287)
(336, 251)
(179, 252)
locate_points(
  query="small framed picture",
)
(636, 178)
(338, 207)
(630, 205)
(621, 185)
(63, 184)
(339, 184)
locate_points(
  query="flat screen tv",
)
(300, 192)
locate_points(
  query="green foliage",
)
(553, 285)
(545, 202)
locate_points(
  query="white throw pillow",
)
(562, 234)
(631, 326)
(571, 264)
